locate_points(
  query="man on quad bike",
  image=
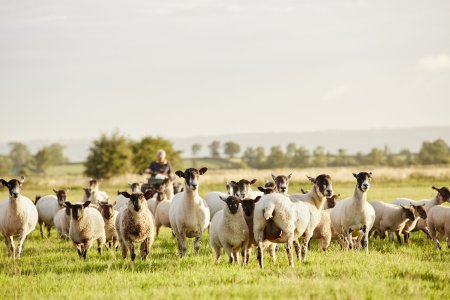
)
(159, 170)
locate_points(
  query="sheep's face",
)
(267, 190)
(87, 193)
(282, 182)
(420, 211)
(135, 187)
(232, 188)
(248, 205)
(61, 196)
(232, 203)
(322, 185)
(93, 184)
(443, 193)
(14, 186)
(191, 177)
(177, 187)
(137, 200)
(67, 210)
(363, 180)
(408, 213)
(331, 201)
(243, 188)
(106, 210)
(77, 210)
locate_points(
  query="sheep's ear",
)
(370, 174)
(313, 180)
(179, 173)
(202, 170)
(125, 194)
(403, 206)
(86, 204)
(355, 175)
(148, 194)
(273, 176)
(303, 191)
(289, 176)
(55, 191)
(257, 199)
(253, 181)
(118, 192)
(224, 199)
(233, 182)
(22, 179)
(261, 189)
(337, 196)
(4, 182)
(68, 204)
(435, 188)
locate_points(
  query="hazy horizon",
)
(74, 70)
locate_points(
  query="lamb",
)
(283, 219)
(324, 231)
(86, 226)
(354, 214)
(123, 201)
(135, 224)
(443, 195)
(229, 230)
(390, 217)
(439, 224)
(419, 212)
(47, 207)
(18, 216)
(189, 213)
(109, 215)
(282, 183)
(213, 201)
(62, 222)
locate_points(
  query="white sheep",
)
(162, 215)
(281, 182)
(18, 216)
(324, 231)
(229, 230)
(93, 194)
(135, 224)
(354, 214)
(62, 222)
(159, 195)
(123, 201)
(442, 196)
(47, 207)
(390, 217)
(189, 213)
(283, 219)
(213, 199)
(109, 215)
(439, 224)
(86, 226)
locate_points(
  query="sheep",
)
(331, 201)
(229, 230)
(135, 224)
(109, 215)
(18, 216)
(62, 222)
(213, 201)
(419, 212)
(354, 214)
(283, 219)
(86, 226)
(93, 194)
(324, 231)
(47, 207)
(282, 183)
(443, 195)
(390, 217)
(189, 213)
(243, 188)
(121, 200)
(178, 187)
(161, 195)
(439, 224)
(162, 215)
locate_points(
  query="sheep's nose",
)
(194, 186)
(15, 195)
(365, 185)
(329, 192)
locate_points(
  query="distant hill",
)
(352, 140)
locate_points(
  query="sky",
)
(76, 69)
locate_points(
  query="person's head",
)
(161, 155)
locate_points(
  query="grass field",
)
(50, 268)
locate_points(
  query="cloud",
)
(335, 93)
(434, 62)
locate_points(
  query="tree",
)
(49, 156)
(276, 158)
(254, 158)
(144, 152)
(436, 152)
(195, 150)
(214, 149)
(300, 158)
(20, 156)
(231, 149)
(376, 157)
(319, 157)
(5, 165)
(109, 156)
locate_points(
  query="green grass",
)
(50, 268)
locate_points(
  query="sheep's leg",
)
(406, 238)
(305, 242)
(427, 232)
(399, 239)
(197, 245)
(100, 243)
(48, 231)
(297, 249)
(325, 241)
(216, 250)
(124, 248)
(22, 237)
(229, 252)
(365, 239)
(244, 247)
(182, 244)
(391, 236)
(41, 229)
(288, 247)
(145, 248)
(9, 241)
(157, 230)
(260, 255)
(273, 252)
(350, 239)
(131, 248)
(235, 256)
(87, 246)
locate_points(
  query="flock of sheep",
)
(239, 221)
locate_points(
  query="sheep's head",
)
(162, 190)
(93, 184)
(443, 193)
(36, 199)
(137, 200)
(282, 182)
(191, 177)
(232, 203)
(419, 211)
(87, 193)
(363, 180)
(178, 187)
(135, 187)
(408, 212)
(322, 185)
(14, 186)
(77, 210)
(61, 196)
(266, 190)
(248, 205)
(331, 201)
(232, 188)
(106, 210)
(243, 187)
